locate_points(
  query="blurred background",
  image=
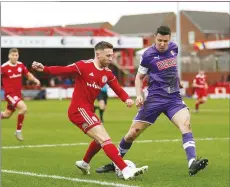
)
(68, 33)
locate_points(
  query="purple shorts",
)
(151, 109)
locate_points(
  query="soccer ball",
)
(118, 171)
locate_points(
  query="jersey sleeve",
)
(80, 66)
(24, 70)
(115, 86)
(175, 47)
(72, 69)
(144, 65)
(2, 70)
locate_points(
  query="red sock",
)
(197, 106)
(112, 152)
(91, 151)
(20, 121)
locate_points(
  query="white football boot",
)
(130, 173)
(83, 166)
(19, 136)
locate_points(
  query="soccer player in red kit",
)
(91, 76)
(12, 72)
(201, 86)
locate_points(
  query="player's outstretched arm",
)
(120, 92)
(55, 70)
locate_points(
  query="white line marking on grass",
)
(179, 140)
(44, 145)
(78, 144)
(103, 183)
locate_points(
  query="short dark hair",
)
(163, 30)
(103, 45)
(13, 50)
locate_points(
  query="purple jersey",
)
(163, 91)
(162, 70)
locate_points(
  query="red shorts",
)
(12, 101)
(201, 93)
(84, 119)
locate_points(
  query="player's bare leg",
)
(200, 101)
(6, 114)
(135, 130)
(102, 107)
(182, 121)
(22, 109)
(102, 139)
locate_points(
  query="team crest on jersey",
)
(19, 69)
(94, 118)
(104, 79)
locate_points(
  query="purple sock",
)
(189, 145)
(124, 147)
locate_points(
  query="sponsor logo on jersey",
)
(15, 76)
(165, 64)
(93, 85)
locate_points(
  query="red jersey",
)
(12, 77)
(200, 80)
(89, 80)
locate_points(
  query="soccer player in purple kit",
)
(159, 62)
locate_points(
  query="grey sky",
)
(32, 14)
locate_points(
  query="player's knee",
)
(23, 110)
(104, 141)
(188, 126)
(102, 107)
(204, 100)
(101, 139)
(185, 126)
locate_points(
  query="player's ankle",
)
(190, 162)
(127, 171)
(85, 163)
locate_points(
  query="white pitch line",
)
(43, 145)
(103, 183)
(79, 144)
